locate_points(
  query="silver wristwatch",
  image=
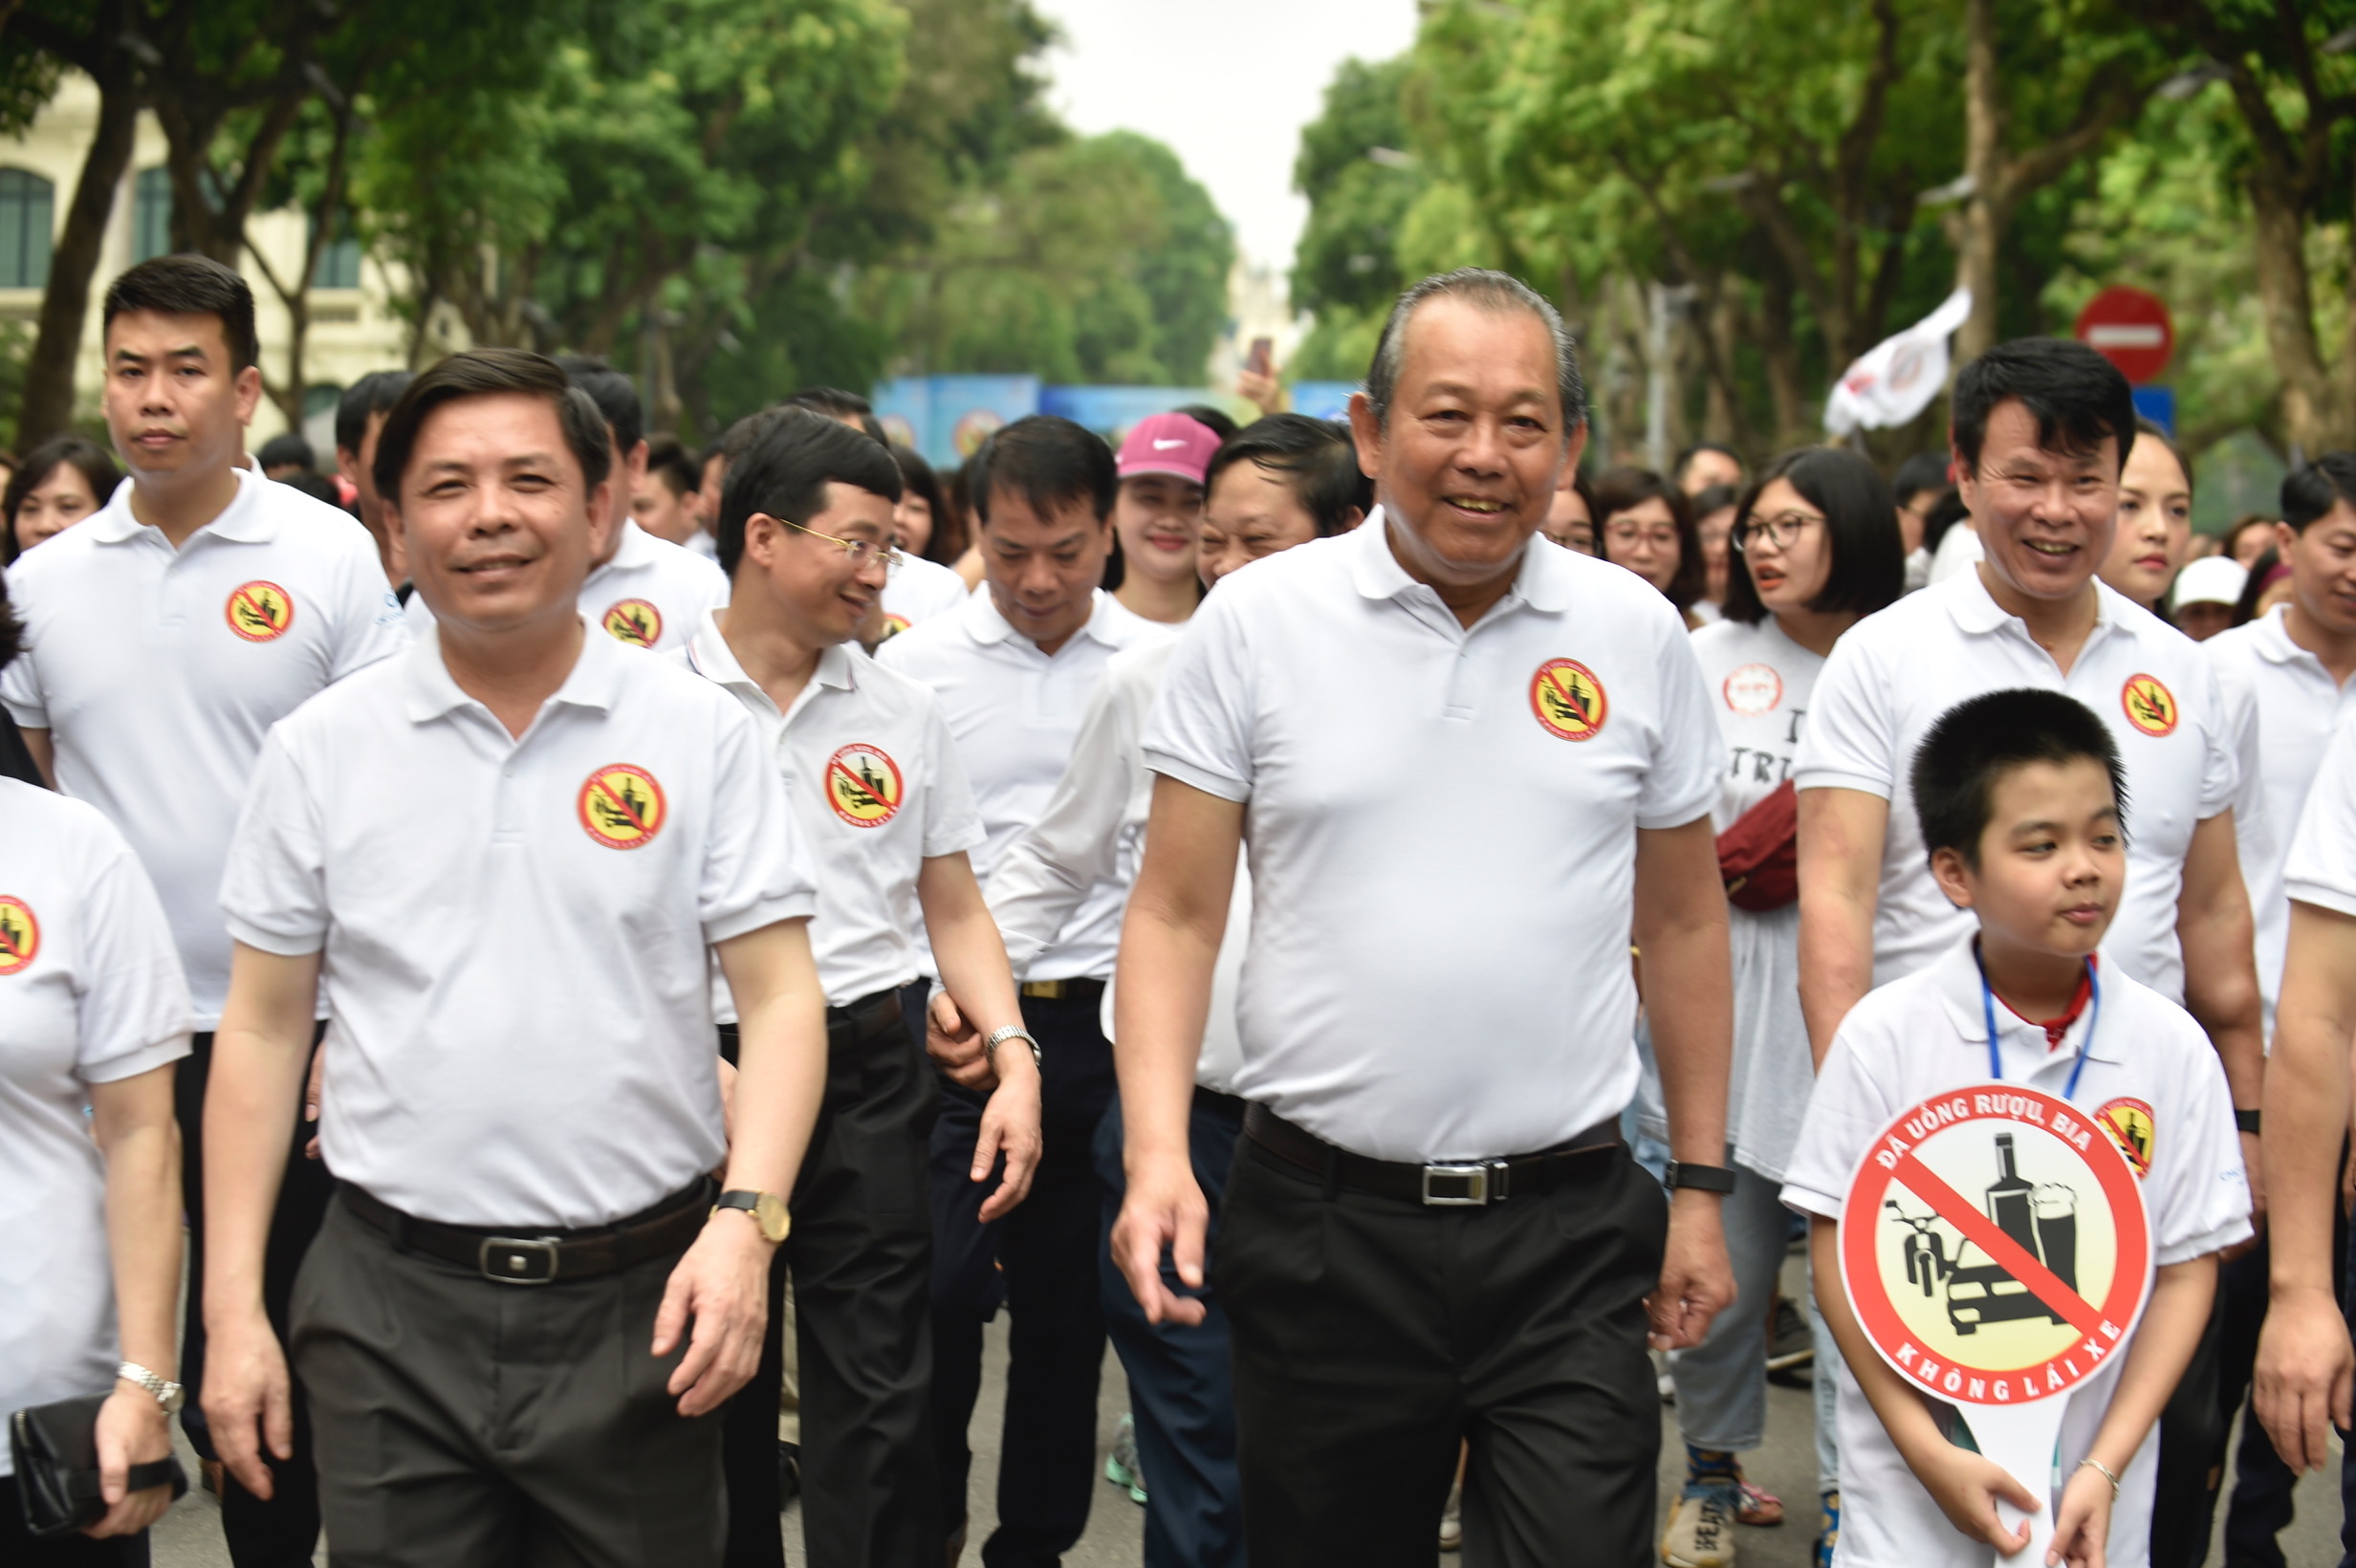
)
(1010, 1031)
(168, 1394)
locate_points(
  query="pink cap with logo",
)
(1169, 443)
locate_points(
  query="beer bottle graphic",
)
(2009, 1201)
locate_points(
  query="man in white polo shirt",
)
(1470, 766)
(521, 1087)
(644, 590)
(165, 636)
(880, 795)
(1013, 671)
(2041, 429)
(914, 588)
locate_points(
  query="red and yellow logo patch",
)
(20, 936)
(1569, 699)
(621, 806)
(634, 621)
(863, 786)
(893, 627)
(259, 612)
(2151, 706)
(2131, 1126)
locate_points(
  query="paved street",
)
(190, 1537)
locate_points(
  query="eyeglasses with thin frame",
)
(1782, 530)
(859, 551)
(1660, 535)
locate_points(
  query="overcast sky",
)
(1226, 83)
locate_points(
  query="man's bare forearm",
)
(966, 945)
(781, 1055)
(2306, 1096)
(2215, 934)
(1681, 930)
(252, 1092)
(1842, 835)
(1170, 945)
(133, 1119)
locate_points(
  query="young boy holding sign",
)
(2029, 1291)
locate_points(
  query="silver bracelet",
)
(168, 1393)
(2106, 1474)
(1011, 1032)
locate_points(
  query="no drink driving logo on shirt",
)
(1568, 699)
(634, 621)
(864, 785)
(621, 806)
(2151, 706)
(259, 612)
(20, 936)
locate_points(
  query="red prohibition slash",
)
(1891, 1160)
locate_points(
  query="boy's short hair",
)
(786, 470)
(1316, 458)
(1976, 743)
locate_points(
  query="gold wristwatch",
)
(767, 1208)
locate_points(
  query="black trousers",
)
(1371, 1335)
(1046, 1250)
(20, 1548)
(861, 1261)
(282, 1532)
(467, 1424)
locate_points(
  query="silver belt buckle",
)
(518, 1261)
(1456, 1187)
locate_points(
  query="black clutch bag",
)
(55, 1448)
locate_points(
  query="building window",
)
(151, 214)
(25, 202)
(340, 258)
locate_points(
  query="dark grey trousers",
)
(464, 1424)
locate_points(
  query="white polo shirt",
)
(877, 788)
(1442, 826)
(652, 593)
(515, 930)
(919, 590)
(1094, 831)
(2321, 868)
(159, 671)
(2283, 706)
(1916, 1036)
(89, 992)
(1897, 672)
(1016, 712)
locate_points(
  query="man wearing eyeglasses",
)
(1013, 671)
(887, 815)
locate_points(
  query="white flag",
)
(1896, 379)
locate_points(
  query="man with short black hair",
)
(360, 414)
(521, 1087)
(166, 635)
(284, 455)
(1467, 764)
(664, 504)
(919, 589)
(1012, 669)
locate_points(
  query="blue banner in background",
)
(1323, 399)
(1111, 410)
(2158, 404)
(945, 418)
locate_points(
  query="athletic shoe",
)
(1452, 1520)
(1791, 1348)
(1828, 1536)
(1701, 1531)
(1120, 1466)
(1757, 1506)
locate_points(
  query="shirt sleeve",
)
(273, 888)
(1847, 743)
(371, 623)
(1847, 1109)
(1046, 873)
(1691, 755)
(757, 870)
(2197, 1193)
(952, 817)
(2322, 868)
(133, 1010)
(1200, 730)
(2222, 764)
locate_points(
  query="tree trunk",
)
(1984, 209)
(1782, 358)
(48, 406)
(2310, 415)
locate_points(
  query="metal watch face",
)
(771, 1214)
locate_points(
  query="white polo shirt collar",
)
(594, 680)
(1957, 976)
(2271, 638)
(983, 623)
(1975, 611)
(245, 520)
(709, 656)
(1539, 584)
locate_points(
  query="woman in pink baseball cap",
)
(1158, 515)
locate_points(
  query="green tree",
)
(1360, 180)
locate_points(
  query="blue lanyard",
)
(2094, 1016)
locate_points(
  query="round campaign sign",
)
(1994, 1246)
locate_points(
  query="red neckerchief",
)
(2056, 1027)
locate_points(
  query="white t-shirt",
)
(2321, 866)
(919, 590)
(1897, 672)
(159, 671)
(1442, 825)
(877, 789)
(89, 992)
(514, 931)
(2283, 706)
(1916, 1036)
(1094, 830)
(651, 594)
(1760, 683)
(1016, 712)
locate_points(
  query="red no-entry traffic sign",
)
(2129, 328)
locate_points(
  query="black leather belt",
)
(1456, 1183)
(545, 1256)
(862, 1020)
(1090, 991)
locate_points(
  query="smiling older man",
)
(1467, 764)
